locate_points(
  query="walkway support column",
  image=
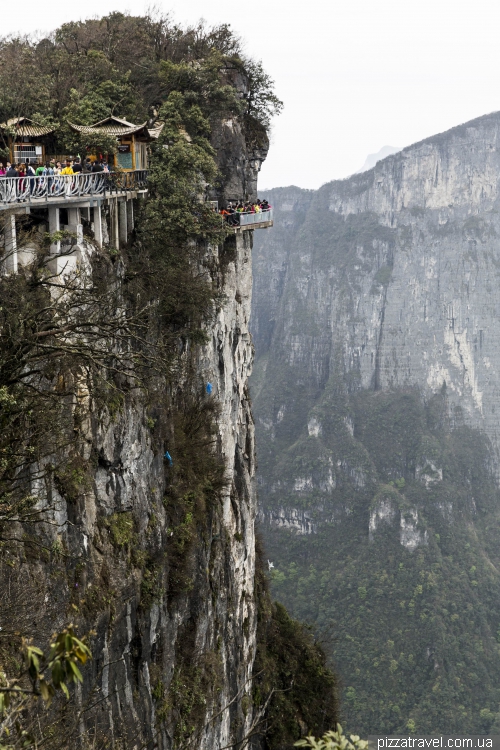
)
(130, 216)
(97, 224)
(75, 223)
(54, 226)
(122, 206)
(113, 220)
(10, 263)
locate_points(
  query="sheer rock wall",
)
(421, 305)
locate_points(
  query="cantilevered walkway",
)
(243, 221)
(105, 200)
(43, 190)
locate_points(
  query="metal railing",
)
(243, 219)
(46, 187)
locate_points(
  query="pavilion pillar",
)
(122, 207)
(54, 226)
(10, 236)
(97, 224)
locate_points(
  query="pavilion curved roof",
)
(25, 127)
(155, 131)
(113, 126)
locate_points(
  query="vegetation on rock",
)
(294, 691)
(401, 567)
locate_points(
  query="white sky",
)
(354, 75)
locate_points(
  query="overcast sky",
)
(355, 75)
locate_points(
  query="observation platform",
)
(242, 221)
(102, 201)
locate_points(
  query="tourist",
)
(87, 167)
(21, 168)
(77, 166)
(2, 170)
(68, 169)
(58, 168)
(30, 172)
(12, 185)
(39, 170)
(234, 217)
(48, 171)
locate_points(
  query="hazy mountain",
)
(372, 159)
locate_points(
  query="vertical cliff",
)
(134, 506)
(376, 398)
(179, 644)
(127, 458)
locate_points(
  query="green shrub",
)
(334, 741)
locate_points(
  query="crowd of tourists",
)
(53, 167)
(234, 210)
(54, 178)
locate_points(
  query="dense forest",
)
(438, 662)
(128, 66)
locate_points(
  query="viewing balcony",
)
(101, 202)
(62, 189)
(243, 221)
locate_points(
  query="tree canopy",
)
(127, 66)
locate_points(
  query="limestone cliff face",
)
(155, 648)
(217, 617)
(241, 149)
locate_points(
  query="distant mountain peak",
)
(372, 159)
